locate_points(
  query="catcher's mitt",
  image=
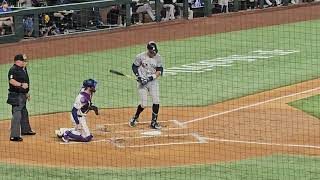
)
(95, 109)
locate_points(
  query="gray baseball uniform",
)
(147, 68)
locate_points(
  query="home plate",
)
(151, 133)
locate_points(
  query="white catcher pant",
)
(151, 88)
(81, 128)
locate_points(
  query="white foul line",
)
(262, 143)
(132, 131)
(249, 106)
(141, 137)
(200, 140)
(165, 144)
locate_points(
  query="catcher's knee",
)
(88, 138)
(61, 131)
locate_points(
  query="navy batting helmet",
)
(152, 47)
(90, 83)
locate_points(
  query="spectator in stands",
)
(179, 5)
(224, 5)
(27, 20)
(47, 27)
(57, 2)
(28, 26)
(168, 5)
(270, 4)
(142, 6)
(251, 4)
(26, 3)
(114, 17)
(6, 21)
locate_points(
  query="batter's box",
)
(159, 140)
(124, 129)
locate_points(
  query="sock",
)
(139, 110)
(155, 110)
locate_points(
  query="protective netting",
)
(238, 97)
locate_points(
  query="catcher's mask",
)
(152, 47)
(90, 83)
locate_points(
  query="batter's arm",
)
(159, 71)
(135, 70)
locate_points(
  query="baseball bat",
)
(121, 74)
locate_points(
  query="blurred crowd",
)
(142, 11)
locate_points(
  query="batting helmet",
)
(90, 83)
(152, 47)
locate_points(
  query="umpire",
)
(17, 98)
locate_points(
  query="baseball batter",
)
(147, 67)
(82, 105)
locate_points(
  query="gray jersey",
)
(147, 65)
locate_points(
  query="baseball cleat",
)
(58, 133)
(133, 122)
(155, 125)
(65, 138)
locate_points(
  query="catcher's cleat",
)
(65, 138)
(155, 125)
(58, 133)
(133, 122)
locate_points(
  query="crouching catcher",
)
(81, 107)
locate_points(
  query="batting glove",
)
(142, 81)
(95, 109)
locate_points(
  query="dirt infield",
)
(256, 125)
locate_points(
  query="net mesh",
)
(239, 98)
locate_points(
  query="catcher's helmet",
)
(90, 83)
(152, 47)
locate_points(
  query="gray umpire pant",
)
(20, 117)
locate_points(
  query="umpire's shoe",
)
(155, 125)
(133, 122)
(29, 133)
(17, 139)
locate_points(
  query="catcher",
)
(81, 107)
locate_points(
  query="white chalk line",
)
(262, 143)
(200, 140)
(164, 144)
(141, 137)
(249, 106)
(176, 122)
(137, 130)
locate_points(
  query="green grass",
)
(56, 81)
(310, 105)
(284, 167)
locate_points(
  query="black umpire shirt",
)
(19, 74)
